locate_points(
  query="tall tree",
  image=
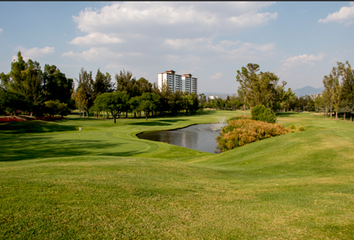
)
(27, 79)
(258, 88)
(56, 85)
(85, 84)
(144, 85)
(347, 95)
(80, 100)
(149, 103)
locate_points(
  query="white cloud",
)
(94, 53)
(33, 53)
(223, 49)
(95, 38)
(303, 59)
(216, 76)
(73, 55)
(344, 15)
(173, 18)
(0, 30)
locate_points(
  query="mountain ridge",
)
(307, 90)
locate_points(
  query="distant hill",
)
(308, 90)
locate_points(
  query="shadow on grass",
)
(16, 148)
(154, 123)
(34, 127)
(172, 120)
(285, 114)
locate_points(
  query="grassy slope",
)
(55, 185)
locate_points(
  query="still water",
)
(199, 137)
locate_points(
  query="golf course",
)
(106, 183)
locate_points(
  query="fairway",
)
(109, 184)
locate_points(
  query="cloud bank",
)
(344, 15)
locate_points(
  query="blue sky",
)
(298, 41)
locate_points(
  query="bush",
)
(301, 128)
(261, 113)
(239, 132)
(239, 117)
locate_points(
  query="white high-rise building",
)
(178, 82)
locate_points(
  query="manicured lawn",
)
(109, 184)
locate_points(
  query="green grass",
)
(108, 184)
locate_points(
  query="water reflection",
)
(199, 137)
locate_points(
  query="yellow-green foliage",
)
(245, 130)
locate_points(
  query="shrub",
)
(241, 131)
(239, 117)
(301, 128)
(292, 127)
(261, 113)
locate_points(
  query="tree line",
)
(130, 96)
(338, 95)
(29, 89)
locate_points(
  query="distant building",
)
(213, 97)
(178, 82)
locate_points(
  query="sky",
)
(298, 41)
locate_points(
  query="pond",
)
(200, 137)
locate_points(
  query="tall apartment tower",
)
(178, 82)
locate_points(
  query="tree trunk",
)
(126, 114)
(134, 114)
(344, 116)
(114, 119)
(336, 115)
(331, 111)
(244, 105)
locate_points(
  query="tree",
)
(187, 102)
(347, 95)
(102, 84)
(85, 84)
(258, 88)
(134, 104)
(144, 85)
(80, 100)
(244, 78)
(148, 103)
(333, 88)
(261, 113)
(10, 102)
(124, 81)
(114, 102)
(4, 80)
(165, 95)
(27, 79)
(202, 100)
(54, 107)
(56, 85)
(283, 97)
